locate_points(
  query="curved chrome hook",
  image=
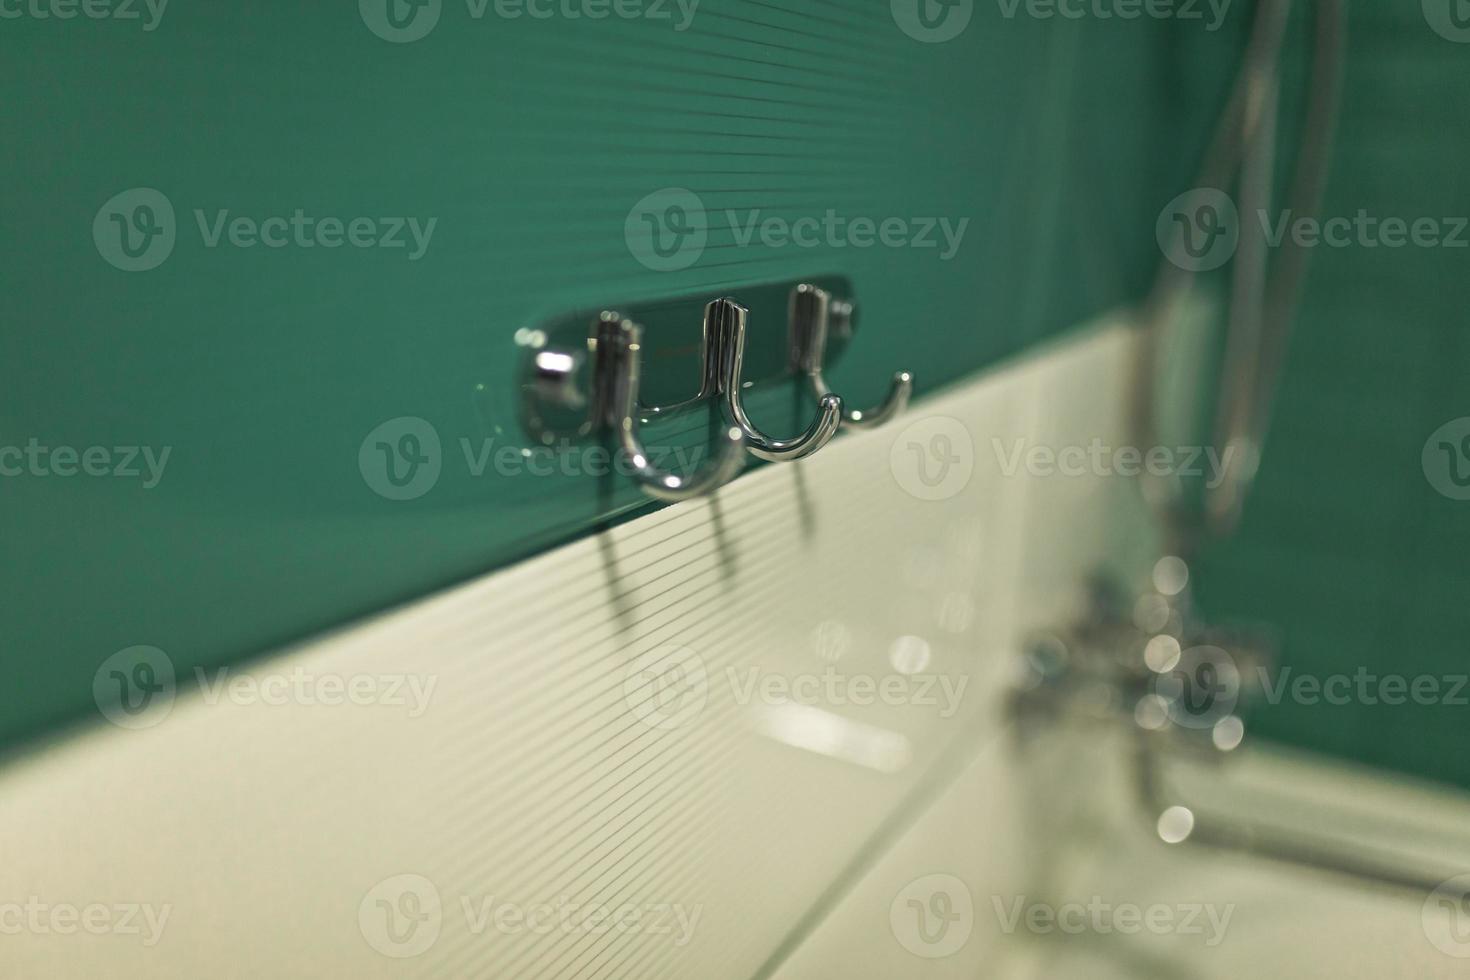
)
(724, 360)
(618, 343)
(813, 310)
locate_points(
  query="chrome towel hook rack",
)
(815, 314)
(618, 352)
(724, 359)
(603, 374)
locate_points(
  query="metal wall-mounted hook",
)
(724, 357)
(815, 314)
(617, 358)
